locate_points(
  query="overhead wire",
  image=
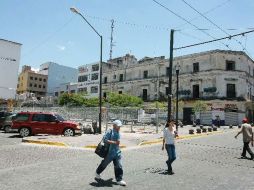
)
(217, 26)
(206, 12)
(218, 39)
(179, 16)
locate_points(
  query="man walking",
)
(169, 143)
(247, 132)
(112, 137)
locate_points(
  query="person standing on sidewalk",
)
(168, 142)
(112, 137)
(247, 132)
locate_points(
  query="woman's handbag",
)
(102, 148)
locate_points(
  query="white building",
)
(9, 66)
(69, 87)
(222, 79)
(88, 79)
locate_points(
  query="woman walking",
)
(169, 134)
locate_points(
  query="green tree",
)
(71, 99)
(199, 106)
(124, 100)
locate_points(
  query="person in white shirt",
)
(169, 134)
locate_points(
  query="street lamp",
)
(74, 10)
(170, 74)
(177, 90)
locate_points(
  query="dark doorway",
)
(195, 89)
(187, 114)
(145, 94)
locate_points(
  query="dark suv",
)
(3, 115)
(31, 123)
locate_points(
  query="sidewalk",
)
(139, 137)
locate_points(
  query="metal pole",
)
(177, 89)
(170, 75)
(100, 82)
(100, 88)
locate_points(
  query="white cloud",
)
(60, 47)
(35, 69)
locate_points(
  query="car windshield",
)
(10, 117)
(59, 118)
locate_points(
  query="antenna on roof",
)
(111, 39)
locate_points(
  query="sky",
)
(49, 31)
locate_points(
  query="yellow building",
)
(32, 82)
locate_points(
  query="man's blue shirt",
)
(113, 135)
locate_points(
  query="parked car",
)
(3, 115)
(8, 123)
(32, 123)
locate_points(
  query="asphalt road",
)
(210, 162)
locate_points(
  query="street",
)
(211, 162)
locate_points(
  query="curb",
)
(45, 142)
(94, 146)
(179, 138)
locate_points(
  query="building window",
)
(40, 79)
(83, 78)
(120, 92)
(231, 93)
(230, 65)
(195, 67)
(73, 91)
(35, 85)
(167, 71)
(94, 89)
(31, 78)
(121, 77)
(44, 86)
(114, 77)
(95, 76)
(105, 95)
(144, 94)
(119, 61)
(44, 80)
(167, 90)
(95, 67)
(145, 74)
(195, 91)
(83, 90)
(39, 86)
(56, 93)
(35, 78)
(31, 85)
(105, 80)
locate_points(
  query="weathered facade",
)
(31, 82)
(223, 79)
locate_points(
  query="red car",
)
(31, 123)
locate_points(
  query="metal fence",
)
(127, 115)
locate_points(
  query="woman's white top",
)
(169, 136)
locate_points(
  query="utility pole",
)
(170, 74)
(111, 39)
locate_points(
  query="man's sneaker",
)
(97, 176)
(171, 173)
(123, 183)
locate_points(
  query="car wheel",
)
(68, 132)
(24, 132)
(7, 128)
